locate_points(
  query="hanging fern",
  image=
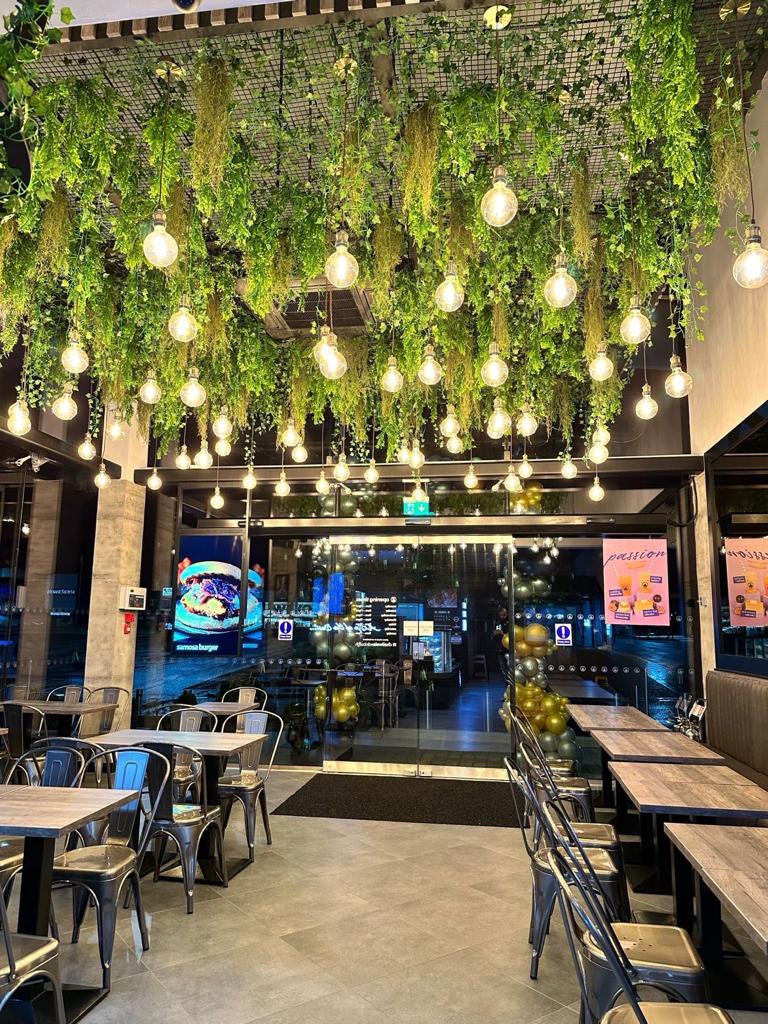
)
(212, 90)
(729, 165)
(581, 214)
(594, 309)
(422, 137)
(387, 241)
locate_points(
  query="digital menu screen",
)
(208, 597)
(253, 622)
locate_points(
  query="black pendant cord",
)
(743, 119)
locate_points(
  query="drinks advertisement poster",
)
(208, 600)
(746, 563)
(636, 582)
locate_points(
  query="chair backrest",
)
(129, 768)
(22, 722)
(518, 780)
(187, 718)
(68, 693)
(61, 768)
(97, 724)
(258, 722)
(254, 694)
(8, 939)
(160, 784)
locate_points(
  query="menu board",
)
(376, 619)
(208, 595)
(636, 582)
(746, 565)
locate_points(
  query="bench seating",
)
(737, 722)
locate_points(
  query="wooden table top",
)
(592, 716)
(60, 707)
(207, 743)
(49, 812)
(731, 860)
(664, 746)
(653, 791)
(226, 707)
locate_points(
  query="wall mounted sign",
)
(746, 565)
(564, 634)
(285, 629)
(636, 582)
(208, 603)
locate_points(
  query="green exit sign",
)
(415, 508)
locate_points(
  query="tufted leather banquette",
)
(737, 721)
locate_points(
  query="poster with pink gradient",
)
(746, 563)
(636, 582)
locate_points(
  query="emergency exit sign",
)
(415, 508)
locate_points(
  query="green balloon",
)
(519, 675)
(568, 734)
(548, 742)
(523, 592)
(567, 748)
(530, 667)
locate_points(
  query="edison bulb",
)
(499, 204)
(601, 433)
(371, 473)
(182, 325)
(568, 468)
(647, 406)
(341, 469)
(223, 447)
(299, 452)
(679, 383)
(597, 453)
(392, 379)
(216, 499)
(203, 458)
(750, 268)
(418, 493)
(470, 480)
(512, 482)
(454, 444)
(430, 370)
(560, 289)
(116, 428)
(65, 407)
(282, 487)
(499, 422)
(102, 478)
(193, 394)
(494, 371)
(416, 457)
(341, 267)
(154, 483)
(635, 327)
(74, 358)
(87, 449)
(160, 248)
(183, 460)
(322, 486)
(249, 480)
(149, 392)
(19, 422)
(527, 424)
(290, 435)
(449, 425)
(601, 367)
(449, 294)
(404, 454)
(323, 344)
(525, 469)
(334, 365)
(596, 492)
(222, 425)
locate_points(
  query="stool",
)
(480, 667)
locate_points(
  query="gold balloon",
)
(505, 641)
(536, 635)
(540, 719)
(523, 649)
(531, 706)
(342, 714)
(556, 724)
(519, 634)
(550, 703)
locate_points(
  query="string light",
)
(341, 267)
(182, 325)
(183, 460)
(430, 370)
(635, 327)
(527, 424)
(494, 370)
(217, 498)
(65, 407)
(193, 394)
(601, 367)
(525, 469)
(249, 480)
(568, 468)
(647, 406)
(19, 422)
(679, 382)
(74, 358)
(222, 425)
(282, 487)
(102, 478)
(392, 379)
(560, 289)
(149, 392)
(87, 449)
(449, 425)
(596, 492)
(499, 422)
(449, 295)
(203, 459)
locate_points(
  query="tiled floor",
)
(341, 922)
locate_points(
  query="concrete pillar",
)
(704, 574)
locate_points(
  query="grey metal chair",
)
(90, 833)
(102, 871)
(69, 693)
(96, 724)
(573, 790)
(248, 785)
(185, 824)
(186, 718)
(25, 724)
(247, 695)
(47, 766)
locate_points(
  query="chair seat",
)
(560, 765)
(248, 779)
(11, 854)
(106, 861)
(668, 1013)
(654, 945)
(593, 833)
(573, 785)
(600, 860)
(188, 814)
(30, 951)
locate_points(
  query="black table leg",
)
(663, 855)
(710, 927)
(682, 890)
(36, 882)
(646, 838)
(607, 780)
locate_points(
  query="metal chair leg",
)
(249, 812)
(188, 853)
(265, 814)
(107, 894)
(80, 898)
(545, 894)
(135, 886)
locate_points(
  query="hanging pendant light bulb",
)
(560, 289)
(635, 327)
(601, 367)
(282, 487)
(183, 460)
(597, 453)
(154, 483)
(160, 248)
(290, 435)
(416, 457)
(323, 344)
(392, 379)
(371, 474)
(499, 204)
(494, 371)
(596, 492)
(499, 422)
(87, 449)
(116, 429)
(449, 294)
(418, 493)
(750, 268)
(647, 406)
(203, 458)
(334, 364)
(602, 434)
(449, 425)
(19, 422)
(568, 468)
(299, 453)
(341, 267)
(222, 425)
(678, 383)
(525, 469)
(322, 485)
(249, 480)
(454, 444)
(217, 499)
(404, 453)
(470, 480)
(65, 407)
(102, 478)
(149, 392)
(341, 469)
(527, 424)
(182, 325)
(193, 394)
(74, 358)
(223, 447)
(512, 481)
(430, 370)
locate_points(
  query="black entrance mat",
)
(387, 798)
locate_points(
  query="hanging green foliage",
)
(212, 89)
(581, 214)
